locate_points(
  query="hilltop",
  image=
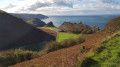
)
(36, 22)
(68, 57)
(15, 32)
(26, 17)
(78, 28)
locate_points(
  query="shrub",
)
(82, 49)
(68, 43)
(80, 40)
(52, 46)
(87, 62)
(11, 57)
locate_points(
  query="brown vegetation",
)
(11, 57)
(78, 28)
(68, 57)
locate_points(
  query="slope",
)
(68, 57)
(26, 17)
(14, 32)
(36, 22)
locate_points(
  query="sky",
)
(61, 7)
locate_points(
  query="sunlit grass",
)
(51, 28)
(63, 36)
(106, 56)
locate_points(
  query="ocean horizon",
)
(91, 20)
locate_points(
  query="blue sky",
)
(61, 7)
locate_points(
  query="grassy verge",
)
(106, 56)
(63, 36)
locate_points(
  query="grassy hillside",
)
(1, 11)
(106, 56)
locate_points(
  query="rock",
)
(50, 24)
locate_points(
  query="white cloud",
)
(62, 7)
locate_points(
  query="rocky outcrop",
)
(14, 32)
(36, 22)
(50, 24)
(78, 28)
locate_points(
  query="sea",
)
(91, 20)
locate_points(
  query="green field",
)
(63, 36)
(106, 56)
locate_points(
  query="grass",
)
(51, 28)
(63, 36)
(1, 11)
(107, 56)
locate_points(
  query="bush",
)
(82, 49)
(52, 46)
(68, 43)
(87, 62)
(80, 40)
(12, 57)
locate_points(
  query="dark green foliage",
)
(53, 46)
(11, 57)
(82, 49)
(80, 40)
(68, 43)
(88, 62)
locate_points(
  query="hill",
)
(68, 57)
(26, 17)
(78, 28)
(14, 32)
(36, 22)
